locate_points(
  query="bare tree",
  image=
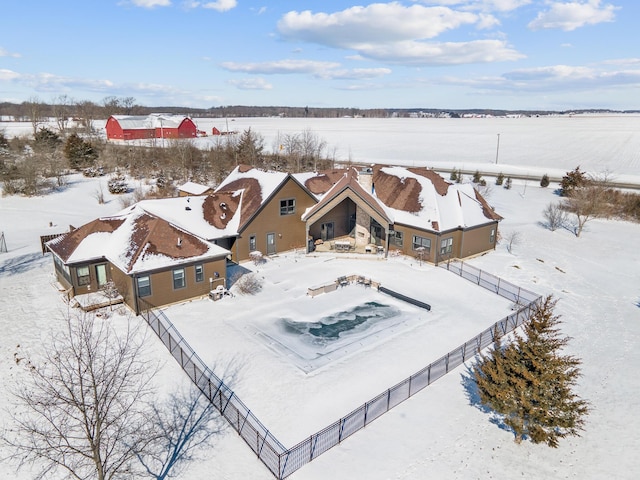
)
(87, 111)
(555, 215)
(81, 410)
(34, 112)
(583, 203)
(513, 239)
(61, 111)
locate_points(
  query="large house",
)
(156, 125)
(168, 250)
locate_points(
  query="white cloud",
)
(251, 84)
(280, 67)
(151, 3)
(481, 5)
(559, 78)
(446, 53)
(568, 16)
(375, 23)
(5, 53)
(397, 34)
(221, 5)
(8, 75)
(353, 74)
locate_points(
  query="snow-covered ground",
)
(439, 433)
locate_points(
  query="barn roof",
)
(152, 121)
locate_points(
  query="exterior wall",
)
(163, 293)
(466, 243)
(114, 130)
(363, 226)
(407, 245)
(339, 215)
(478, 240)
(92, 286)
(289, 230)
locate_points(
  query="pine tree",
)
(531, 384)
(500, 178)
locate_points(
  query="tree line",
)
(35, 165)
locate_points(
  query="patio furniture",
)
(342, 245)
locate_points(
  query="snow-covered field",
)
(439, 433)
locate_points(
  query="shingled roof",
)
(134, 241)
(416, 197)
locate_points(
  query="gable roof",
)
(416, 197)
(258, 187)
(348, 181)
(134, 241)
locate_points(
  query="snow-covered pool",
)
(340, 323)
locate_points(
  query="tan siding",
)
(478, 240)
(163, 293)
(289, 230)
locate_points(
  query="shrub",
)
(248, 284)
(544, 181)
(500, 179)
(507, 183)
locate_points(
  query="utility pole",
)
(497, 149)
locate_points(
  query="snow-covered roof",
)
(258, 186)
(152, 121)
(193, 188)
(134, 241)
(414, 197)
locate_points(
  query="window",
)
(446, 245)
(144, 286)
(83, 275)
(62, 268)
(252, 243)
(421, 242)
(288, 206)
(199, 273)
(492, 235)
(397, 238)
(178, 278)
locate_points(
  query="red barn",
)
(132, 127)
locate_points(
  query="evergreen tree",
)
(544, 181)
(531, 384)
(46, 140)
(572, 181)
(249, 148)
(454, 175)
(500, 178)
(79, 153)
(477, 177)
(507, 183)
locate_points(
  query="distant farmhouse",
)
(163, 251)
(156, 125)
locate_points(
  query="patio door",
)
(271, 243)
(326, 231)
(101, 275)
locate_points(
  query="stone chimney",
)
(365, 178)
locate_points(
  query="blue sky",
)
(504, 54)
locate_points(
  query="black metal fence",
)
(281, 461)
(268, 449)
